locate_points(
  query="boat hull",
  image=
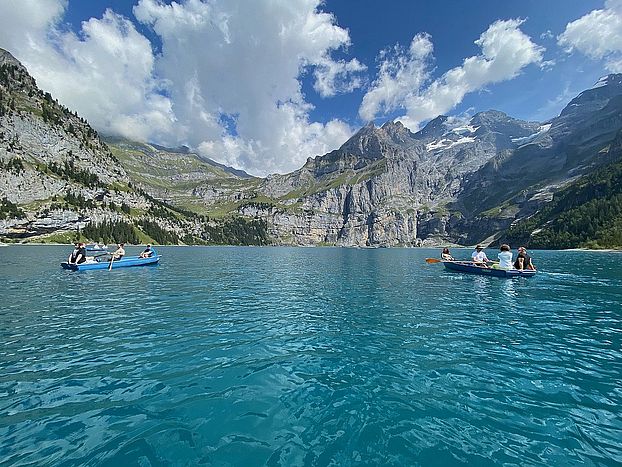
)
(469, 268)
(120, 263)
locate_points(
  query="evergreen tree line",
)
(6, 103)
(14, 165)
(79, 201)
(13, 78)
(234, 231)
(69, 171)
(9, 210)
(588, 213)
(9, 74)
(49, 114)
(237, 231)
(111, 232)
(159, 235)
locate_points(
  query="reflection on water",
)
(283, 356)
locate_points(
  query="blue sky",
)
(263, 85)
(454, 26)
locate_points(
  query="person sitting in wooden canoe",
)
(446, 255)
(505, 258)
(119, 252)
(147, 252)
(479, 257)
(523, 260)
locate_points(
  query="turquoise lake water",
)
(309, 356)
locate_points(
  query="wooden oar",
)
(432, 260)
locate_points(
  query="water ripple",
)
(278, 356)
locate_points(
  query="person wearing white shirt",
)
(479, 257)
(505, 257)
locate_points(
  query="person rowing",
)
(479, 257)
(119, 252)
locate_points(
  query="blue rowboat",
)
(470, 268)
(124, 262)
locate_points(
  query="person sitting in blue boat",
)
(523, 260)
(147, 252)
(505, 258)
(446, 255)
(479, 257)
(74, 253)
(119, 252)
(78, 255)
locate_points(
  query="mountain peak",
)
(612, 79)
(595, 98)
(397, 131)
(488, 116)
(364, 139)
(433, 129)
(390, 124)
(6, 58)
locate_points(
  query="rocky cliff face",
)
(461, 181)
(47, 152)
(58, 177)
(388, 186)
(574, 143)
(453, 181)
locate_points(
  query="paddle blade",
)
(432, 260)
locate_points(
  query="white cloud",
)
(228, 79)
(244, 60)
(332, 77)
(106, 73)
(505, 51)
(597, 35)
(402, 73)
(26, 20)
(546, 35)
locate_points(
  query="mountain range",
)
(456, 181)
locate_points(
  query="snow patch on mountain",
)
(601, 82)
(464, 130)
(528, 139)
(446, 143)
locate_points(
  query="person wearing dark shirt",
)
(147, 252)
(74, 254)
(523, 260)
(78, 255)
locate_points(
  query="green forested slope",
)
(587, 213)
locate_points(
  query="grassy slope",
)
(163, 172)
(177, 175)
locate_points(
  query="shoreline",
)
(600, 250)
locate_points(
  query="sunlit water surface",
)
(309, 356)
